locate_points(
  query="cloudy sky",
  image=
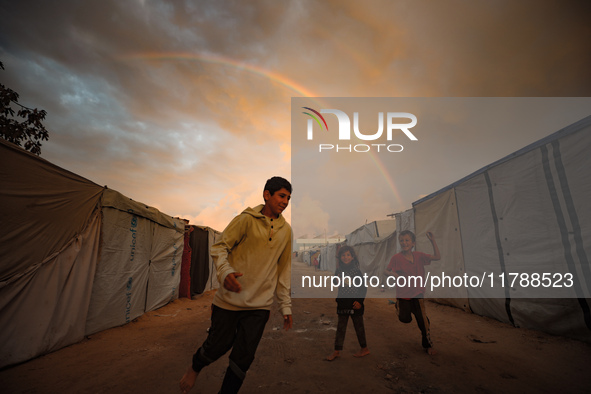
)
(185, 106)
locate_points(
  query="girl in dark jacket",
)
(349, 301)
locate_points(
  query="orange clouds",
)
(198, 121)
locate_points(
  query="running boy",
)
(253, 263)
(410, 298)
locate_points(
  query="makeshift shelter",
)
(375, 244)
(307, 257)
(75, 257)
(202, 270)
(528, 212)
(328, 258)
(140, 262)
(313, 258)
(185, 282)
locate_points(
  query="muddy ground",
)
(475, 354)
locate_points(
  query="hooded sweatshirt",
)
(260, 248)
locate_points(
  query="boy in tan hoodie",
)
(253, 261)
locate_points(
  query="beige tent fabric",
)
(374, 258)
(372, 232)
(440, 216)
(114, 199)
(558, 316)
(75, 258)
(42, 207)
(479, 245)
(212, 237)
(528, 213)
(328, 259)
(165, 266)
(374, 244)
(119, 288)
(45, 309)
(139, 268)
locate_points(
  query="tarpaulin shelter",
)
(375, 244)
(202, 271)
(75, 257)
(528, 211)
(140, 262)
(328, 258)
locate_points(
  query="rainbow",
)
(280, 79)
(384, 171)
(226, 61)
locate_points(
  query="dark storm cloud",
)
(169, 89)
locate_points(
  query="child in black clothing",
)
(349, 302)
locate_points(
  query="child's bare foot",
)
(431, 351)
(188, 380)
(363, 352)
(333, 356)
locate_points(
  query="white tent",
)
(328, 258)
(140, 262)
(528, 212)
(375, 244)
(75, 257)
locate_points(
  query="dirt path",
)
(476, 354)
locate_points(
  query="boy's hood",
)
(256, 212)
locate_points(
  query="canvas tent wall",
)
(139, 267)
(327, 257)
(440, 216)
(50, 245)
(202, 271)
(375, 244)
(528, 210)
(307, 257)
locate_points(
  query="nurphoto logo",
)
(392, 124)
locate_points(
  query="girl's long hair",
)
(349, 249)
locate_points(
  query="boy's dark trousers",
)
(415, 306)
(240, 331)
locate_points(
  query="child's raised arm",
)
(436, 255)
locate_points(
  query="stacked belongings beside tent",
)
(75, 257)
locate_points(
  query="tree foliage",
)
(29, 131)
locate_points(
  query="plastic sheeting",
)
(212, 237)
(140, 264)
(527, 213)
(39, 198)
(200, 268)
(185, 282)
(372, 232)
(530, 214)
(202, 271)
(75, 258)
(45, 308)
(165, 265)
(375, 244)
(440, 216)
(328, 258)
